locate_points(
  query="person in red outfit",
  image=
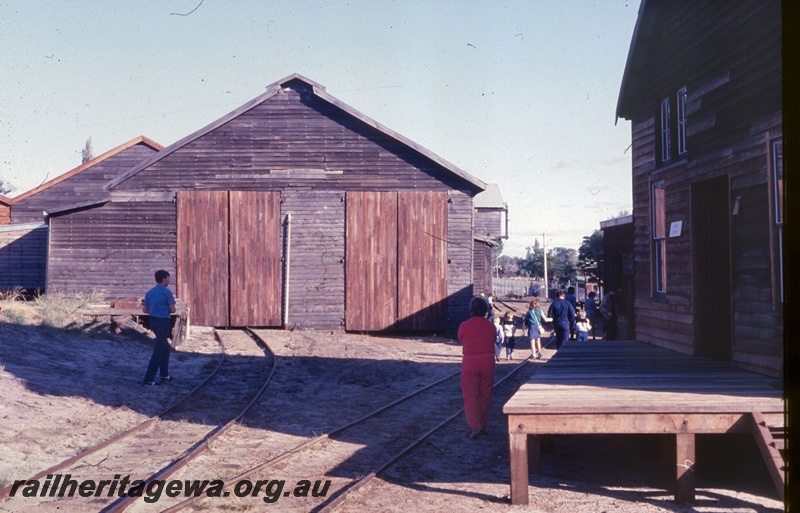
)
(477, 336)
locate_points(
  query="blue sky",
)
(522, 93)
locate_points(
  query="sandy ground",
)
(64, 390)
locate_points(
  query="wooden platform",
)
(623, 387)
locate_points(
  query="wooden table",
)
(122, 311)
(624, 387)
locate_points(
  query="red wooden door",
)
(396, 254)
(229, 257)
(255, 258)
(422, 260)
(371, 261)
(202, 256)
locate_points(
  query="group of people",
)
(484, 335)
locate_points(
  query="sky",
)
(520, 93)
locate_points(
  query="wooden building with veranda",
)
(702, 89)
(294, 210)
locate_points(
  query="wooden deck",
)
(623, 387)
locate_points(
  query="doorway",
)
(711, 268)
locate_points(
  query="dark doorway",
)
(711, 273)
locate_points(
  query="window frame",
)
(680, 107)
(777, 218)
(658, 237)
(666, 135)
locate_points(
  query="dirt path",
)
(64, 390)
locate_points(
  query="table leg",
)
(518, 444)
(685, 484)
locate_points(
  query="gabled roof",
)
(319, 91)
(636, 53)
(69, 174)
(491, 198)
(4, 200)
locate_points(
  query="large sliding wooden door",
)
(396, 255)
(422, 260)
(202, 267)
(255, 258)
(371, 261)
(229, 257)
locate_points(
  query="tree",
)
(591, 249)
(5, 187)
(533, 264)
(562, 265)
(87, 153)
(590, 256)
(509, 266)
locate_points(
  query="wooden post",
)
(518, 445)
(685, 452)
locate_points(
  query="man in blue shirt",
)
(563, 315)
(159, 304)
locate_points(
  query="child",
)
(498, 341)
(582, 327)
(533, 320)
(508, 333)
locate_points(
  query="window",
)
(681, 120)
(673, 128)
(658, 230)
(777, 201)
(666, 153)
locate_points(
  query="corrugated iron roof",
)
(490, 198)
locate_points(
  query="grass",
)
(64, 310)
(57, 310)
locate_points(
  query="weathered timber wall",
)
(23, 256)
(488, 223)
(115, 248)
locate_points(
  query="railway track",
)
(333, 464)
(159, 445)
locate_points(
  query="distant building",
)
(491, 227)
(702, 89)
(5, 210)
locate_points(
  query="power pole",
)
(544, 254)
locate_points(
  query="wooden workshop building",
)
(702, 89)
(23, 219)
(293, 210)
